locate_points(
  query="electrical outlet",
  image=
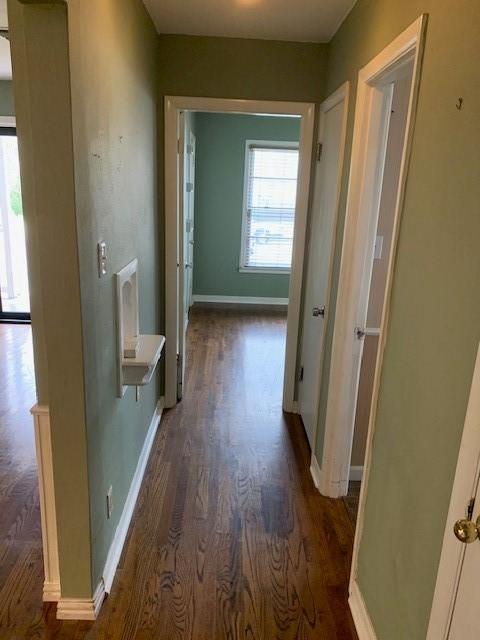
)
(109, 503)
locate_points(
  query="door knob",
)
(467, 531)
(359, 333)
(318, 311)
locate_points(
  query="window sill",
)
(264, 270)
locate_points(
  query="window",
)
(269, 206)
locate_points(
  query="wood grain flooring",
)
(229, 540)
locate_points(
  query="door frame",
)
(341, 94)
(464, 487)
(173, 106)
(370, 133)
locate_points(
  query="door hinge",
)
(319, 151)
(300, 375)
(179, 376)
(179, 145)
(470, 508)
(189, 148)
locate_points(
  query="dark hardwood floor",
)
(230, 540)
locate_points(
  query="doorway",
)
(377, 178)
(176, 279)
(14, 295)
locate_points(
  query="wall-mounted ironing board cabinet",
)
(137, 354)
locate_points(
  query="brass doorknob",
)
(467, 531)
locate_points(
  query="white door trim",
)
(173, 105)
(408, 45)
(48, 514)
(464, 487)
(365, 183)
(340, 95)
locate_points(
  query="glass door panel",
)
(14, 298)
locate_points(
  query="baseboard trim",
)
(89, 608)
(361, 618)
(241, 300)
(51, 591)
(118, 541)
(334, 491)
(48, 514)
(356, 473)
(82, 608)
(315, 471)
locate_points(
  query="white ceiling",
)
(5, 59)
(295, 20)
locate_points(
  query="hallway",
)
(230, 539)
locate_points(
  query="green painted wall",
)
(219, 181)
(241, 68)
(434, 327)
(7, 107)
(45, 134)
(87, 122)
(236, 68)
(113, 54)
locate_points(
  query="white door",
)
(455, 611)
(466, 612)
(320, 252)
(189, 217)
(186, 180)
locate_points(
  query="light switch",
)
(377, 254)
(102, 259)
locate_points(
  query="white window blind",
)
(269, 211)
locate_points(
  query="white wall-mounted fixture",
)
(137, 354)
(102, 258)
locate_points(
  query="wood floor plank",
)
(229, 540)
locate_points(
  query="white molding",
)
(361, 618)
(173, 106)
(412, 39)
(374, 93)
(89, 608)
(240, 300)
(8, 121)
(267, 271)
(48, 516)
(315, 471)
(121, 531)
(464, 488)
(82, 608)
(356, 473)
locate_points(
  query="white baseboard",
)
(51, 591)
(356, 473)
(118, 541)
(315, 471)
(363, 623)
(88, 608)
(332, 490)
(240, 300)
(82, 608)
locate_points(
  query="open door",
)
(331, 140)
(454, 611)
(189, 217)
(186, 182)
